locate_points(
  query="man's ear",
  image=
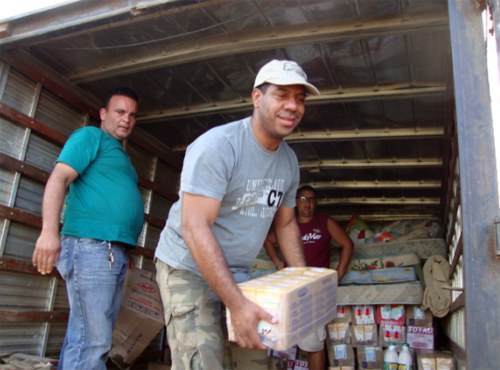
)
(256, 96)
(102, 114)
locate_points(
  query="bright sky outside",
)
(9, 8)
(494, 77)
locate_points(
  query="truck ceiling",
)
(375, 143)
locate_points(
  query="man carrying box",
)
(235, 180)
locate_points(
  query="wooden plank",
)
(26, 169)
(23, 217)
(33, 316)
(19, 118)
(458, 352)
(25, 267)
(155, 221)
(146, 252)
(458, 303)
(458, 253)
(156, 149)
(158, 189)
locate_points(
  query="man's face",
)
(280, 109)
(118, 118)
(306, 203)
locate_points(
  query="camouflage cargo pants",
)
(193, 318)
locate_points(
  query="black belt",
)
(122, 245)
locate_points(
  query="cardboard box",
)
(339, 331)
(344, 312)
(416, 316)
(290, 354)
(364, 335)
(364, 314)
(300, 365)
(419, 337)
(302, 299)
(340, 354)
(435, 360)
(391, 333)
(392, 314)
(370, 357)
(140, 317)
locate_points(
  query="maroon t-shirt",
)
(316, 241)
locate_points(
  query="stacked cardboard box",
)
(140, 317)
(359, 335)
(339, 340)
(302, 299)
(435, 360)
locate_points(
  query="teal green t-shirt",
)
(104, 201)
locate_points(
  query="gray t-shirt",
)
(228, 164)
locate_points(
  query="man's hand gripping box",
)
(303, 299)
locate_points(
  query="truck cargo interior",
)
(402, 133)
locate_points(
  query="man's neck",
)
(304, 220)
(268, 142)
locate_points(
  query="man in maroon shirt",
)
(318, 231)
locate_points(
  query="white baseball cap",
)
(284, 72)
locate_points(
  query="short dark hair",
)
(263, 87)
(306, 187)
(121, 91)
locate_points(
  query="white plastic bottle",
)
(391, 358)
(405, 360)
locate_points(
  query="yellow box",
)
(303, 299)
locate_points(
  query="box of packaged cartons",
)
(391, 333)
(364, 335)
(364, 314)
(301, 298)
(344, 312)
(340, 354)
(339, 331)
(290, 354)
(416, 316)
(370, 357)
(392, 314)
(435, 360)
(419, 337)
(140, 317)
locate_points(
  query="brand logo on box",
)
(147, 287)
(420, 330)
(303, 292)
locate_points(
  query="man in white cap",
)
(236, 179)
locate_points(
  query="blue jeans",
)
(94, 292)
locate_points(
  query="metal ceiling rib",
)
(400, 91)
(372, 142)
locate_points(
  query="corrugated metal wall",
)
(33, 292)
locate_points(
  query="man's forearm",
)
(345, 258)
(208, 256)
(290, 242)
(52, 204)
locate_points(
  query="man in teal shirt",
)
(103, 217)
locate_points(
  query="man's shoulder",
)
(220, 135)
(229, 127)
(87, 131)
(321, 217)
